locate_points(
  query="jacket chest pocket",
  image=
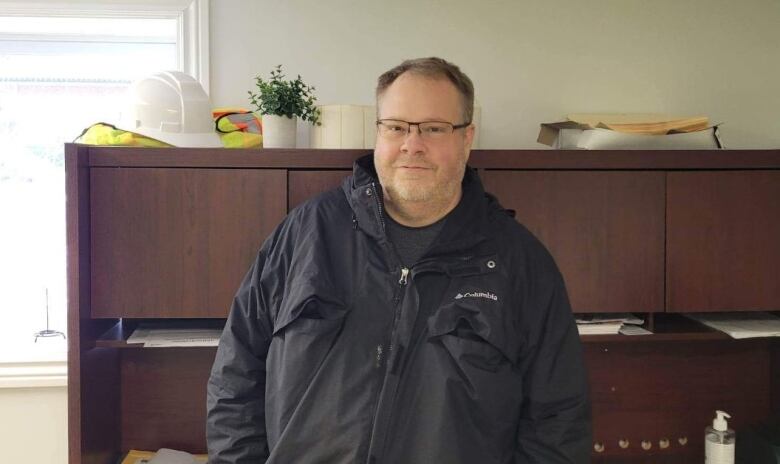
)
(472, 320)
(306, 328)
(310, 308)
(475, 343)
(308, 321)
(474, 311)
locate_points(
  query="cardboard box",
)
(604, 139)
(581, 134)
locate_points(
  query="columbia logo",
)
(487, 295)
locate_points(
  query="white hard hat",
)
(170, 106)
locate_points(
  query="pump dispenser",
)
(719, 441)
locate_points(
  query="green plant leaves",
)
(282, 97)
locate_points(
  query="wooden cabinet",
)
(166, 235)
(723, 244)
(306, 184)
(163, 398)
(180, 238)
(605, 230)
(655, 391)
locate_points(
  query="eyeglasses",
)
(396, 129)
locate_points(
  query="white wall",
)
(34, 429)
(531, 61)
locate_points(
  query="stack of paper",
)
(647, 124)
(173, 337)
(630, 131)
(609, 323)
(741, 325)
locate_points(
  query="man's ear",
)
(468, 135)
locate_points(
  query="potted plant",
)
(279, 102)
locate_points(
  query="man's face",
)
(413, 169)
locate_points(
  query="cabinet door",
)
(605, 230)
(653, 391)
(723, 244)
(306, 184)
(177, 242)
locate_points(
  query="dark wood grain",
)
(163, 401)
(224, 158)
(482, 159)
(775, 381)
(723, 243)
(604, 229)
(77, 237)
(306, 184)
(671, 390)
(177, 242)
(93, 435)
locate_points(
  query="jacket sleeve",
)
(555, 423)
(235, 423)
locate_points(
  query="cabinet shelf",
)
(117, 335)
(665, 327)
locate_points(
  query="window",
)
(60, 72)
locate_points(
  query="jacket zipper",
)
(404, 276)
(397, 313)
(381, 356)
(421, 267)
(379, 205)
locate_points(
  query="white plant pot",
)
(279, 131)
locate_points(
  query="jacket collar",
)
(466, 225)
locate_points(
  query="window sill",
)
(27, 364)
(34, 374)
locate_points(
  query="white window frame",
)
(192, 17)
(193, 51)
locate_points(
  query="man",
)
(404, 318)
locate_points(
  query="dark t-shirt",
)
(411, 243)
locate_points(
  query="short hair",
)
(434, 68)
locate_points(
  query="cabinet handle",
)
(646, 445)
(599, 447)
(623, 443)
(682, 441)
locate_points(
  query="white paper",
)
(742, 324)
(604, 139)
(169, 456)
(161, 338)
(605, 323)
(634, 330)
(607, 328)
(600, 318)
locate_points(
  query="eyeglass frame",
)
(419, 130)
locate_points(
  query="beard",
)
(440, 187)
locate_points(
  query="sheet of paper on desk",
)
(602, 318)
(741, 324)
(161, 338)
(148, 457)
(169, 456)
(629, 329)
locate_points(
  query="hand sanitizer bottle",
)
(719, 441)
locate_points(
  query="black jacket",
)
(334, 354)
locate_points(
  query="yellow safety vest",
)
(237, 128)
